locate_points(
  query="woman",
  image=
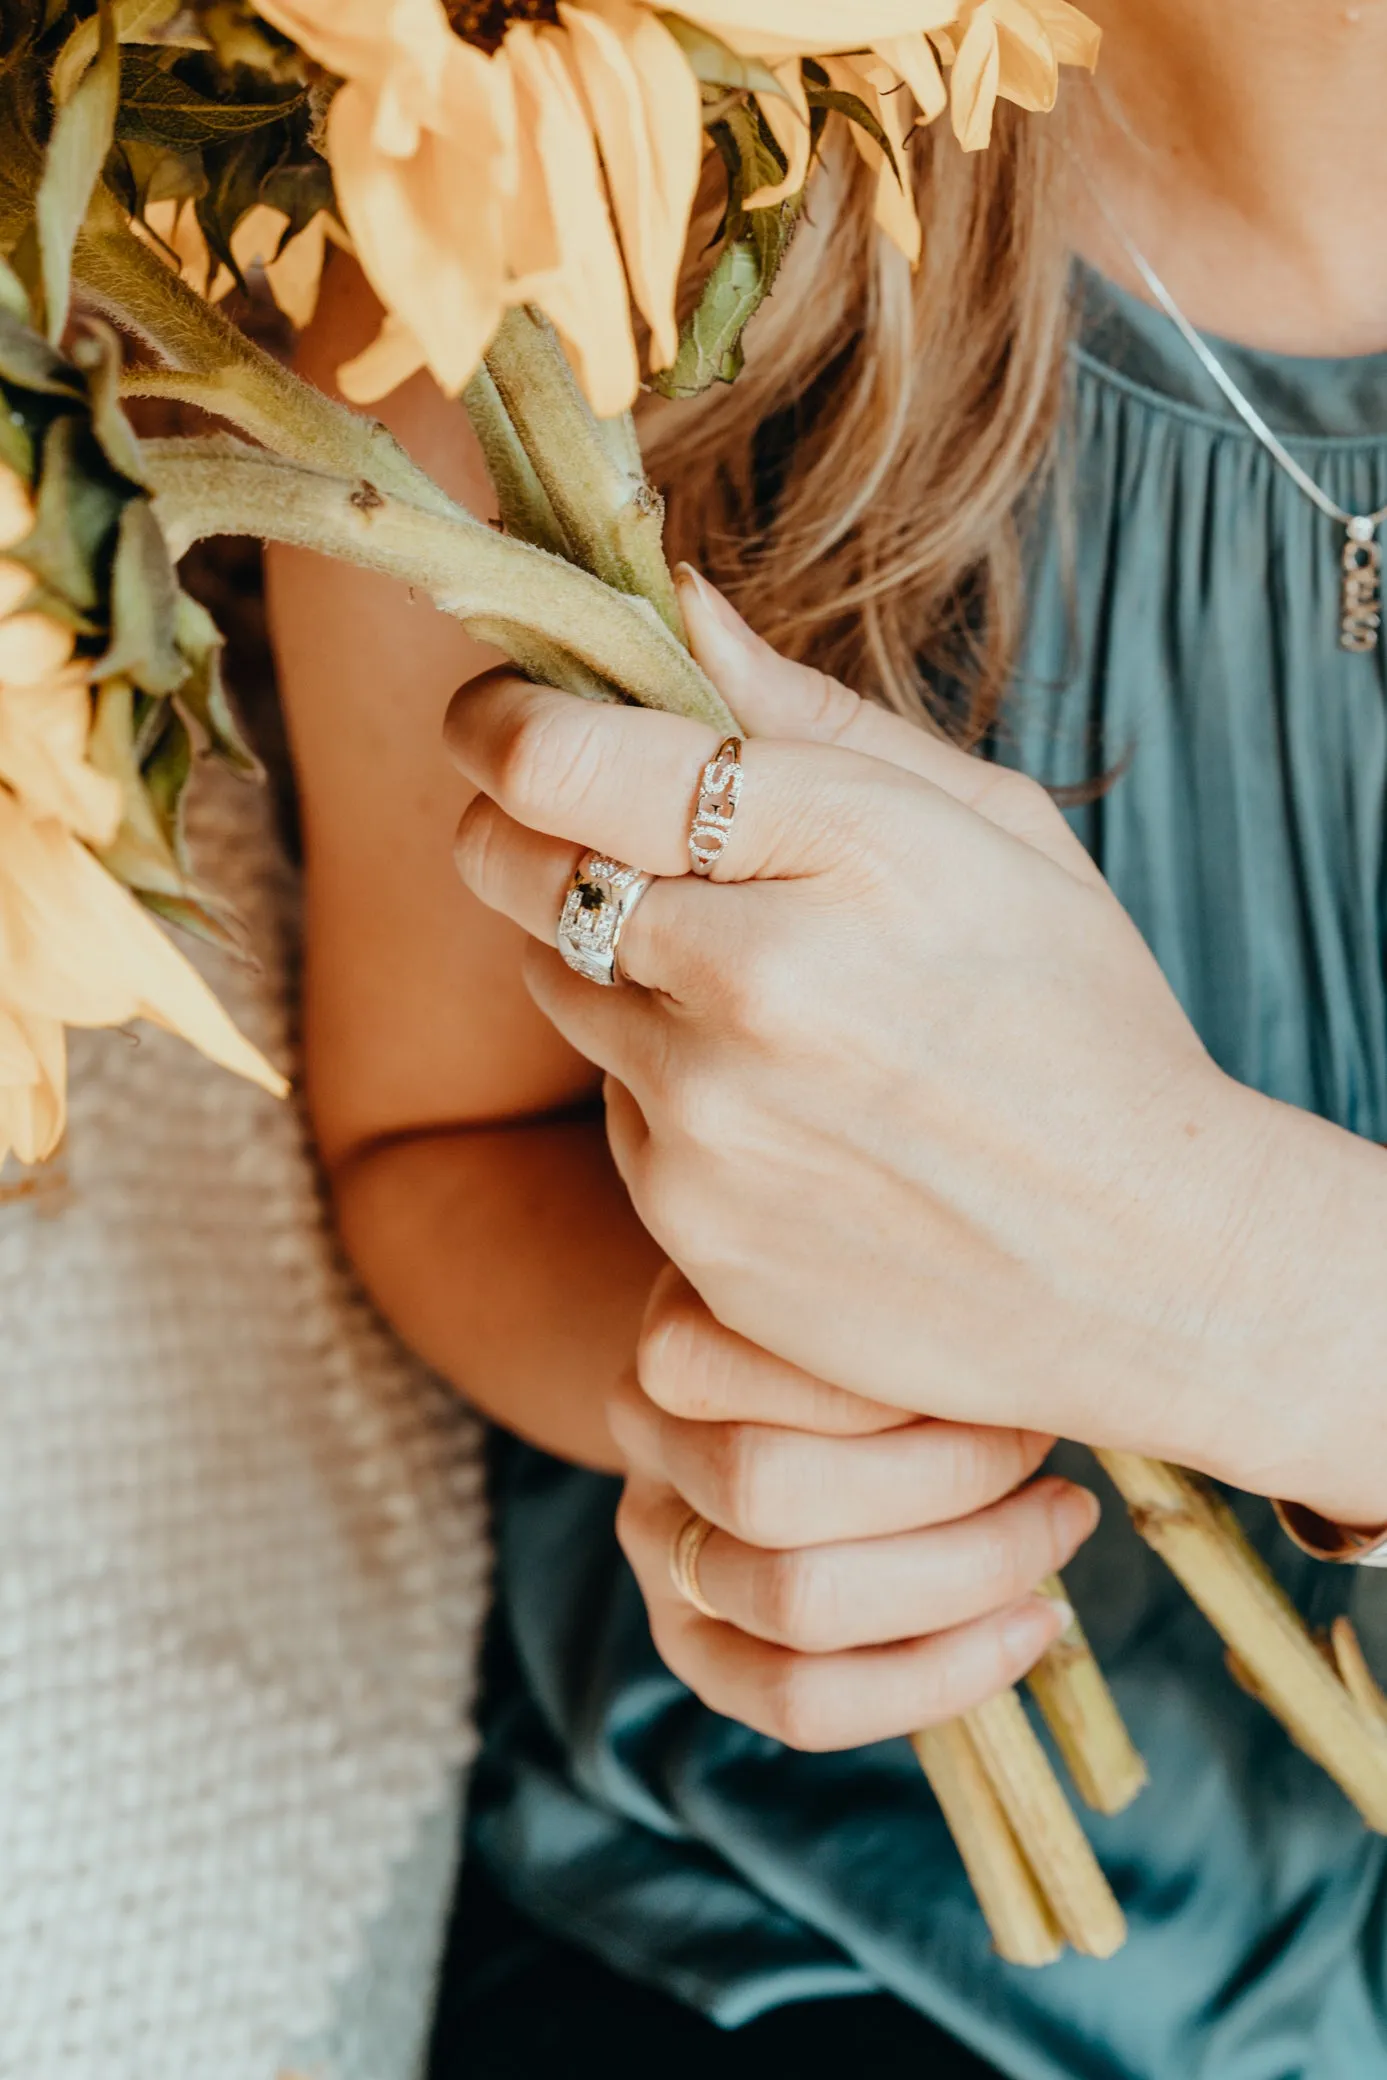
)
(906, 1097)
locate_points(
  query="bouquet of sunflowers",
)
(518, 180)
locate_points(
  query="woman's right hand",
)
(873, 1573)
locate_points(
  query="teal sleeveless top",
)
(1184, 635)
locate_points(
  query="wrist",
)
(1292, 1390)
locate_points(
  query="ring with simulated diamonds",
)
(600, 899)
(719, 791)
(685, 1548)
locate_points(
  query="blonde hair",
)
(861, 490)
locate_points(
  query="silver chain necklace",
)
(1360, 617)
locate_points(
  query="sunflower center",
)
(485, 22)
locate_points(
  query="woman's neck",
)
(1241, 147)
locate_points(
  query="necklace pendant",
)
(1361, 613)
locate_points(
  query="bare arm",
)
(459, 1132)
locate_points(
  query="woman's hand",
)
(906, 1096)
(872, 1573)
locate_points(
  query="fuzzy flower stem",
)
(485, 579)
(211, 364)
(611, 519)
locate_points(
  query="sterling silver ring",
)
(719, 792)
(600, 899)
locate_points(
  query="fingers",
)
(870, 1592)
(624, 781)
(525, 876)
(837, 1699)
(690, 1366)
(777, 698)
(782, 1489)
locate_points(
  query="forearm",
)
(509, 1258)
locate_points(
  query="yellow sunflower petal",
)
(33, 1086)
(562, 202)
(75, 946)
(427, 229)
(44, 732)
(789, 123)
(876, 85)
(1029, 71)
(912, 60)
(32, 647)
(1076, 39)
(393, 356)
(974, 81)
(813, 28)
(648, 115)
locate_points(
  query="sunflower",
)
(76, 948)
(493, 152)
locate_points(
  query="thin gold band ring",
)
(684, 1553)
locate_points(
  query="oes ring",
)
(600, 899)
(719, 791)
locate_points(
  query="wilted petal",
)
(814, 28)
(33, 1086)
(562, 199)
(1075, 38)
(393, 356)
(790, 124)
(875, 84)
(974, 81)
(16, 508)
(426, 229)
(1029, 72)
(32, 647)
(912, 59)
(44, 732)
(171, 227)
(648, 116)
(76, 947)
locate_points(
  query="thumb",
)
(774, 697)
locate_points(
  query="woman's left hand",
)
(902, 1090)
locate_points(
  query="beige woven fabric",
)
(242, 1571)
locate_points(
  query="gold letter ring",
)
(688, 1543)
(596, 910)
(719, 791)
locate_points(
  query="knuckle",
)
(545, 763)
(474, 847)
(833, 708)
(670, 1352)
(698, 1106)
(796, 1709)
(786, 1602)
(746, 1484)
(760, 992)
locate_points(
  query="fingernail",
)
(1064, 1611)
(1031, 1628)
(694, 588)
(1085, 1513)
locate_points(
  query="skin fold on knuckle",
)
(748, 1492)
(673, 1352)
(548, 762)
(790, 1602)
